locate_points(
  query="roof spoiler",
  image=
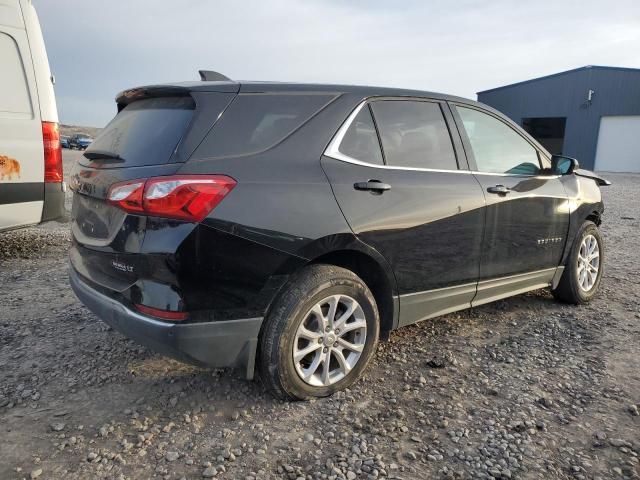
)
(211, 76)
(126, 97)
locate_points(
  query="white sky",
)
(98, 48)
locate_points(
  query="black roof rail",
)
(211, 76)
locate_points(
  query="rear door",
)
(527, 214)
(413, 200)
(21, 145)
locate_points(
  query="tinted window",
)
(361, 140)
(145, 132)
(255, 122)
(498, 148)
(14, 95)
(414, 134)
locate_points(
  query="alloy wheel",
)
(588, 263)
(329, 341)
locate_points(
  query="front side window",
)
(414, 134)
(498, 148)
(361, 140)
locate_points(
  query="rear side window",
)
(361, 140)
(145, 132)
(14, 93)
(255, 122)
(414, 134)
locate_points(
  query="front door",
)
(410, 201)
(527, 215)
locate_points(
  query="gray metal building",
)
(590, 113)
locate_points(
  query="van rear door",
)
(21, 144)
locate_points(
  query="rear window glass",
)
(256, 122)
(145, 132)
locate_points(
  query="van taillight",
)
(52, 152)
(183, 197)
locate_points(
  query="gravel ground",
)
(522, 388)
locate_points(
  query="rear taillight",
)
(187, 197)
(128, 196)
(183, 197)
(163, 314)
(52, 152)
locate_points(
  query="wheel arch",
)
(374, 275)
(589, 208)
(595, 216)
(348, 251)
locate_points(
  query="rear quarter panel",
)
(282, 198)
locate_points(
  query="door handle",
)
(499, 189)
(374, 186)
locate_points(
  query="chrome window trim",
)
(333, 151)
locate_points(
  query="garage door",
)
(619, 144)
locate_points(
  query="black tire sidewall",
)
(295, 307)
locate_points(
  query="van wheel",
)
(583, 270)
(320, 334)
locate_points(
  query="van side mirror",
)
(561, 165)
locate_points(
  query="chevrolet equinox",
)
(284, 228)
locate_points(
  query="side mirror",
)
(561, 165)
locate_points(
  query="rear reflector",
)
(163, 314)
(183, 197)
(52, 153)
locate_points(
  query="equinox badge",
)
(123, 267)
(547, 241)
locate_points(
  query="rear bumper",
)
(219, 344)
(53, 208)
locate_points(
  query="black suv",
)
(289, 226)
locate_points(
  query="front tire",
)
(320, 334)
(584, 267)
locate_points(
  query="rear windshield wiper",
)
(102, 155)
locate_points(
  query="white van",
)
(31, 183)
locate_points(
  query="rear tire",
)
(328, 312)
(584, 267)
